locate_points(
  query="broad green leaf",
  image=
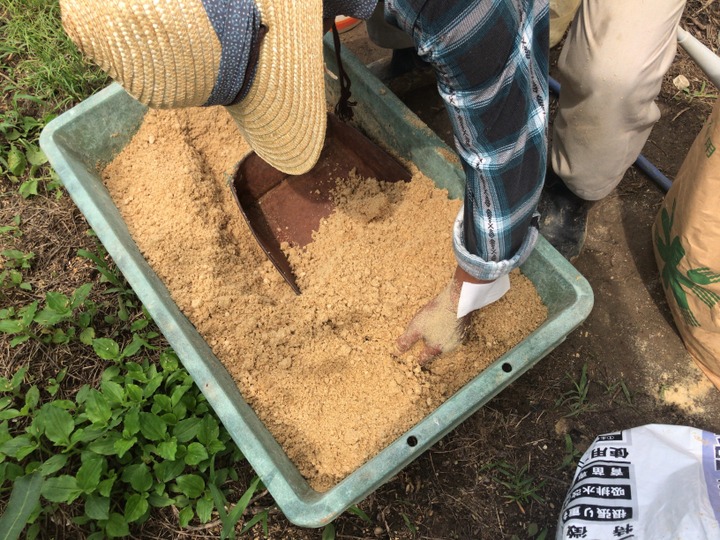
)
(152, 426)
(11, 326)
(186, 515)
(80, 295)
(11, 471)
(57, 302)
(4, 432)
(83, 320)
(24, 498)
(64, 404)
(57, 423)
(35, 156)
(28, 312)
(86, 435)
(170, 419)
(134, 392)
(190, 485)
(179, 393)
(215, 447)
(112, 391)
(53, 464)
(112, 373)
(209, 430)
(186, 430)
(160, 501)
(116, 526)
(97, 408)
(162, 403)
(19, 339)
(32, 397)
(169, 470)
(133, 347)
(204, 508)
(50, 317)
(131, 422)
(29, 187)
(59, 336)
(169, 361)
(88, 475)
(138, 476)
(180, 410)
(61, 489)
(16, 161)
(105, 487)
(195, 454)
(135, 507)
(18, 447)
(97, 507)
(106, 348)
(138, 325)
(153, 384)
(9, 414)
(105, 445)
(167, 449)
(87, 336)
(136, 372)
(122, 446)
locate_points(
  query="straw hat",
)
(167, 54)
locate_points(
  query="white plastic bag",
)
(655, 482)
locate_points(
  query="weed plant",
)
(41, 74)
(143, 437)
(140, 437)
(521, 487)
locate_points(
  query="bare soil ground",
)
(638, 371)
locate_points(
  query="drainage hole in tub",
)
(412, 440)
(506, 367)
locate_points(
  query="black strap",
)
(344, 106)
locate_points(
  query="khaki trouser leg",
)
(611, 69)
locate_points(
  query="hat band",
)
(236, 24)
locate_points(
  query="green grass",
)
(520, 487)
(41, 74)
(38, 60)
(577, 400)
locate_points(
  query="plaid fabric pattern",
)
(491, 62)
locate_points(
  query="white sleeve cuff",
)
(477, 295)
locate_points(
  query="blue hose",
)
(641, 162)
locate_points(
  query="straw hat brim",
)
(284, 115)
(167, 55)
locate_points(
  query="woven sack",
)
(686, 238)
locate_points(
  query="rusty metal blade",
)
(284, 208)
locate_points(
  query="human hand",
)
(443, 322)
(437, 325)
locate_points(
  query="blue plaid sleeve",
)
(491, 62)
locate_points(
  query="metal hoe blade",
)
(284, 208)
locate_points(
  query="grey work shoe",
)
(563, 217)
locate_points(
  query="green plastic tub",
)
(96, 130)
